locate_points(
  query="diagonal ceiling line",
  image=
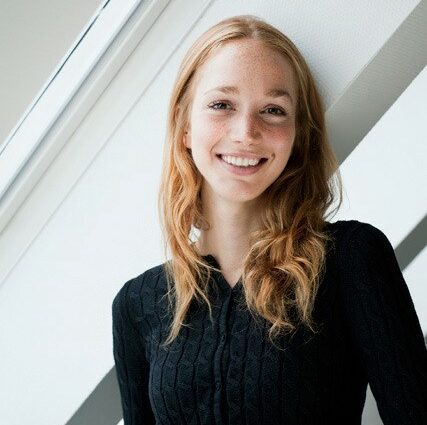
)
(102, 407)
(413, 244)
(57, 71)
(379, 84)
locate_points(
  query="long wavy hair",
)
(286, 261)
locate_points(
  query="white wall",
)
(91, 221)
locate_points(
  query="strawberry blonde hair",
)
(286, 260)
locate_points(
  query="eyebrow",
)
(276, 92)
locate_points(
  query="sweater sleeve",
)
(384, 327)
(132, 367)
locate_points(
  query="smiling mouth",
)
(242, 170)
(261, 161)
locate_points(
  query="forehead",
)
(247, 61)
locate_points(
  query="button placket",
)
(222, 329)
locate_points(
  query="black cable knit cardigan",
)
(230, 373)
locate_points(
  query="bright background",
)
(82, 159)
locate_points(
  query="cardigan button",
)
(218, 386)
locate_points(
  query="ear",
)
(187, 138)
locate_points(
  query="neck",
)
(230, 226)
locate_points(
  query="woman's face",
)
(242, 121)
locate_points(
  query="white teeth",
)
(241, 162)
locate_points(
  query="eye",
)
(211, 106)
(281, 112)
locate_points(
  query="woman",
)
(273, 315)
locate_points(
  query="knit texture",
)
(228, 372)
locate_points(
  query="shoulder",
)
(364, 252)
(134, 293)
(360, 244)
(356, 233)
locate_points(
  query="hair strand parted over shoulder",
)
(286, 262)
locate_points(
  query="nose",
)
(246, 128)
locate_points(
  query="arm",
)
(132, 368)
(384, 326)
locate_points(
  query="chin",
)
(239, 196)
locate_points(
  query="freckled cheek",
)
(210, 130)
(282, 139)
